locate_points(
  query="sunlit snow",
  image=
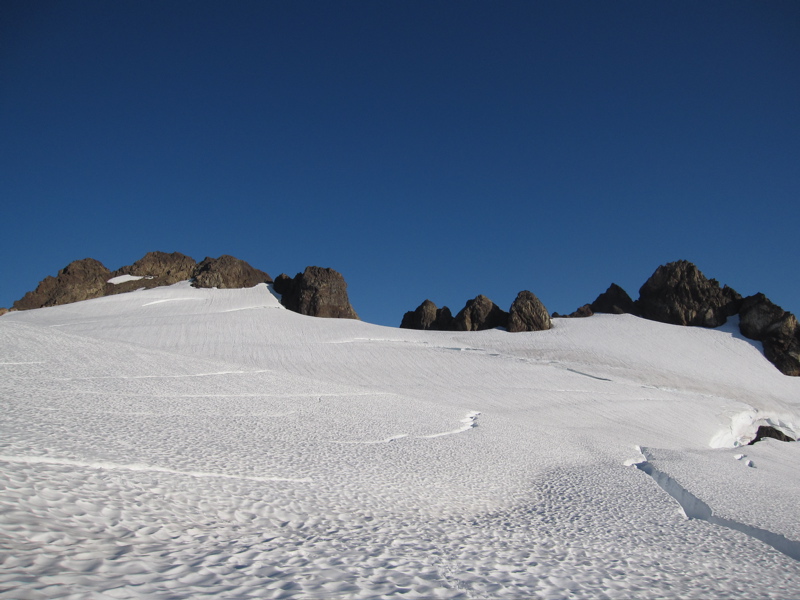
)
(125, 278)
(188, 443)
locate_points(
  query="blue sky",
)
(424, 149)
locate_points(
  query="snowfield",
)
(191, 443)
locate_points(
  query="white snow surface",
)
(191, 443)
(125, 278)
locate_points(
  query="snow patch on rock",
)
(126, 278)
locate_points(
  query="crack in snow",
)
(170, 300)
(694, 508)
(470, 421)
(167, 376)
(386, 441)
(588, 375)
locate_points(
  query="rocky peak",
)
(579, 313)
(478, 314)
(227, 272)
(777, 329)
(167, 268)
(528, 314)
(680, 294)
(79, 280)
(614, 300)
(154, 269)
(88, 278)
(316, 292)
(428, 316)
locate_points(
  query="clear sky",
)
(423, 149)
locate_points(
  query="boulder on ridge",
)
(528, 314)
(316, 292)
(680, 294)
(227, 272)
(480, 313)
(615, 301)
(79, 280)
(777, 329)
(759, 317)
(428, 317)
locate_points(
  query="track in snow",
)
(103, 465)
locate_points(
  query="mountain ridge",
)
(677, 293)
(88, 278)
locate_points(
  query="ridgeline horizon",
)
(677, 293)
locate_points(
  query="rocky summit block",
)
(155, 269)
(169, 268)
(316, 292)
(528, 314)
(88, 278)
(680, 294)
(759, 318)
(428, 317)
(227, 272)
(79, 280)
(579, 313)
(480, 313)
(762, 320)
(615, 301)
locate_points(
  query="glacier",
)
(201, 443)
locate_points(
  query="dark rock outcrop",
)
(227, 272)
(316, 292)
(156, 269)
(783, 349)
(3, 311)
(614, 301)
(759, 317)
(79, 280)
(169, 268)
(680, 294)
(479, 314)
(581, 312)
(88, 278)
(777, 329)
(444, 319)
(283, 285)
(767, 431)
(528, 314)
(428, 317)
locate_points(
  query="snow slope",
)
(188, 443)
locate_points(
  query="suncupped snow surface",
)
(187, 443)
